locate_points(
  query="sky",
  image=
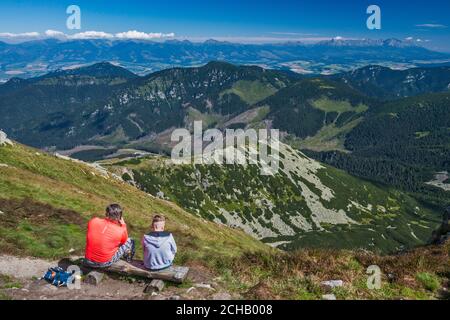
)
(247, 21)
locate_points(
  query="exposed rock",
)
(328, 297)
(94, 278)
(222, 296)
(4, 139)
(204, 286)
(160, 195)
(190, 290)
(127, 175)
(174, 298)
(103, 172)
(98, 168)
(439, 181)
(331, 284)
(155, 286)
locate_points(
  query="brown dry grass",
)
(298, 274)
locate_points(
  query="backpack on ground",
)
(58, 277)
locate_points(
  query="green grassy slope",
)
(317, 113)
(304, 204)
(46, 202)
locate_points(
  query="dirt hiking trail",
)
(20, 280)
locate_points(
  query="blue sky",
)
(243, 21)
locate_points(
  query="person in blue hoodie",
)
(159, 246)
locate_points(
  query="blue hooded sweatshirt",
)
(159, 250)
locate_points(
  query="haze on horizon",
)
(426, 22)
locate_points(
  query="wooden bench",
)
(176, 274)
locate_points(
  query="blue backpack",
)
(58, 277)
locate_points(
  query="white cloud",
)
(55, 34)
(412, 39)
(19, 35)
(91, 35)
(134, 34)
(432, 25)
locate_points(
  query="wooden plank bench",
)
(176, 274)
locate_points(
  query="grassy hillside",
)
(317, 113)
(46, 203)
(304, 204)
(419, 274)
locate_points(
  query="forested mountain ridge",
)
(401, 143)
(105, 104)
(318, 112)
(103, 108)
(387, 84)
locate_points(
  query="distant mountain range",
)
(395, 43)
(35, 58)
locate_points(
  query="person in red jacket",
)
(107, 239)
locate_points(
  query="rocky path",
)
(20, 280)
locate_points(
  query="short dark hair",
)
(158, 218)
(114, 212)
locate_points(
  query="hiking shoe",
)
(129, 258)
